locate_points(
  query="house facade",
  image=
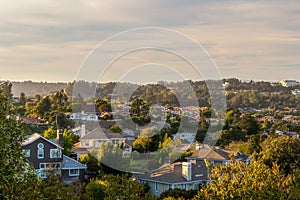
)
(183, 175)
(46, 156)
(95, 138)
(191, 174)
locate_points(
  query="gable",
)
(34, 137)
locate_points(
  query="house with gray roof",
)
(191, 174)
(46, 156)
(183, 175)
(95, 138)
(217, 155)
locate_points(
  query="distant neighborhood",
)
(163, 146)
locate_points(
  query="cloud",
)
(243, 37)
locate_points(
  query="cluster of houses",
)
(47, 158)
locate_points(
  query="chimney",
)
(177, 168)
(187, 170)
(59, 137)
(82, 131)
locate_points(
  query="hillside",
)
(32, 88)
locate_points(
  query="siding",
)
(33, 153)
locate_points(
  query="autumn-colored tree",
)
(284, 151)
(124, 187)
(50, 133)
(253, 181)
(115, 128)
(143, 142)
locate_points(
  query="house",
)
(217, 155)
(190, 137)
(289, 83)
(183, 175)
(92, 117)
(296, 92)
(46, 156)
(191, 174)
(95, 138)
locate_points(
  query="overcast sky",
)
(48, 40)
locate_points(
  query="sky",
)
(64, 40)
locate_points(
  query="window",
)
(86, 144)
(55, 153)
(50, 166)
(26, 152)
(40, 145)
(40, 152)
(156, 187)
(73, 172)
(41, 173)
(42, 165)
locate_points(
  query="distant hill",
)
(32, 88)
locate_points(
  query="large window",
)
(55, 153)
(26, 152)
(49, 168)
(40, 151)
(73, 172)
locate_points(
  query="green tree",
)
(94, 190)
(69, 139)
(178, 193)
(43, 106)
(59, 101)
(111, 158)
(5, 89)
(139, 107)
(249, 124)
(53, 188)
(22, 98)
(253, 145)
(92, 164)
(18, 179)
(103, 105)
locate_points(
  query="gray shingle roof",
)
(101, 134)
(169, 175)
(216, 153)
(69, 163)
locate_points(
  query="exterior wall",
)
(33, 153)
(66, 176)
(161, 188)
(164, 187)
